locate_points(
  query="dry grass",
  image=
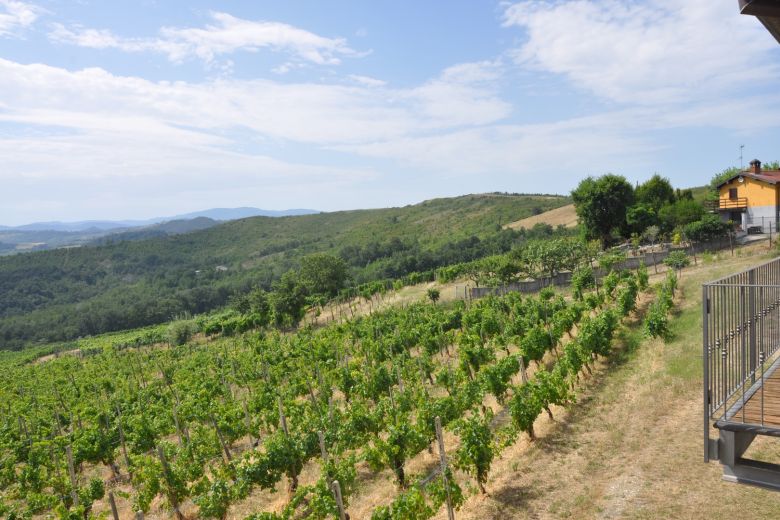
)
(632, 446)
(563, 216)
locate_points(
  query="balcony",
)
(741, 354)
(735, 204)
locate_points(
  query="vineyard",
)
(204, 428)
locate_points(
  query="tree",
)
(720, 178)
(641, 216)
(434, 295)
(601, 205)
(323, 274)
(655, 192)
(679, 214)
(288, 299)
(651, 234)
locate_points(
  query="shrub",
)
(656, 321)
(180, 332)
(677, 260)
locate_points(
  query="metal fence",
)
(764, 225)
(741, 332)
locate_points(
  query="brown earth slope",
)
(563, 216)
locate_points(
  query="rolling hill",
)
(67, 293)
(40, 236)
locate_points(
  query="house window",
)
(732, 193)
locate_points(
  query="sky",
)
(133, 109)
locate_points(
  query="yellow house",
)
(751, 198)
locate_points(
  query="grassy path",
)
(632, 446)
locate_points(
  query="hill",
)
(61, 294)
(51, 235)
(564, 216)
(106, 225)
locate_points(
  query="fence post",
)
(74, 494)
(112, 502)
(323, 451)
(339, 500)
(752, 319)
(167, 475)
(443, 466)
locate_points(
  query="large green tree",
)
(288, 300)
(656, 192)
(323, 274)
(601, 205)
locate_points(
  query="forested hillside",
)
(66, 293)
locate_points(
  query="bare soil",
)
(563, 216)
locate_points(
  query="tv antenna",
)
(741, 166)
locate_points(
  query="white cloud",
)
(544, 157)
(658, 51)
(473, 72)
(16, 15)
(225, 35)
(302, 112)
(367, 81)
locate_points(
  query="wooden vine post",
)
(122, 442)
(282, 418)
(523, 373)
(74, 493)
(167, 475)
(112, 502)
(339, 500)
(323, 451)
(248, 422)
(443, 468)
(222, 443)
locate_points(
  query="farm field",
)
(565, 216)
(171, 428)
(631, 446)
(496, 306)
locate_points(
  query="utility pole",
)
(741, 165)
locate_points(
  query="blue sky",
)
(136, 109)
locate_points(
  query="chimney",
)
(755, 166)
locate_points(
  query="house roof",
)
(768, 176)
(767, 12)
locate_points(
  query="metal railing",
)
(763, 225)
(741, 332)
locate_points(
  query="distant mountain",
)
(107, 225)
(53, 235)
(70, 227)
(171, 227)
(239, 213)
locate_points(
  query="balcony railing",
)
(727, 204)
(741, 328)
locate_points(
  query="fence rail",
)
(741, 336)
(727, 204)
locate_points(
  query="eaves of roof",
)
(763, 178)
